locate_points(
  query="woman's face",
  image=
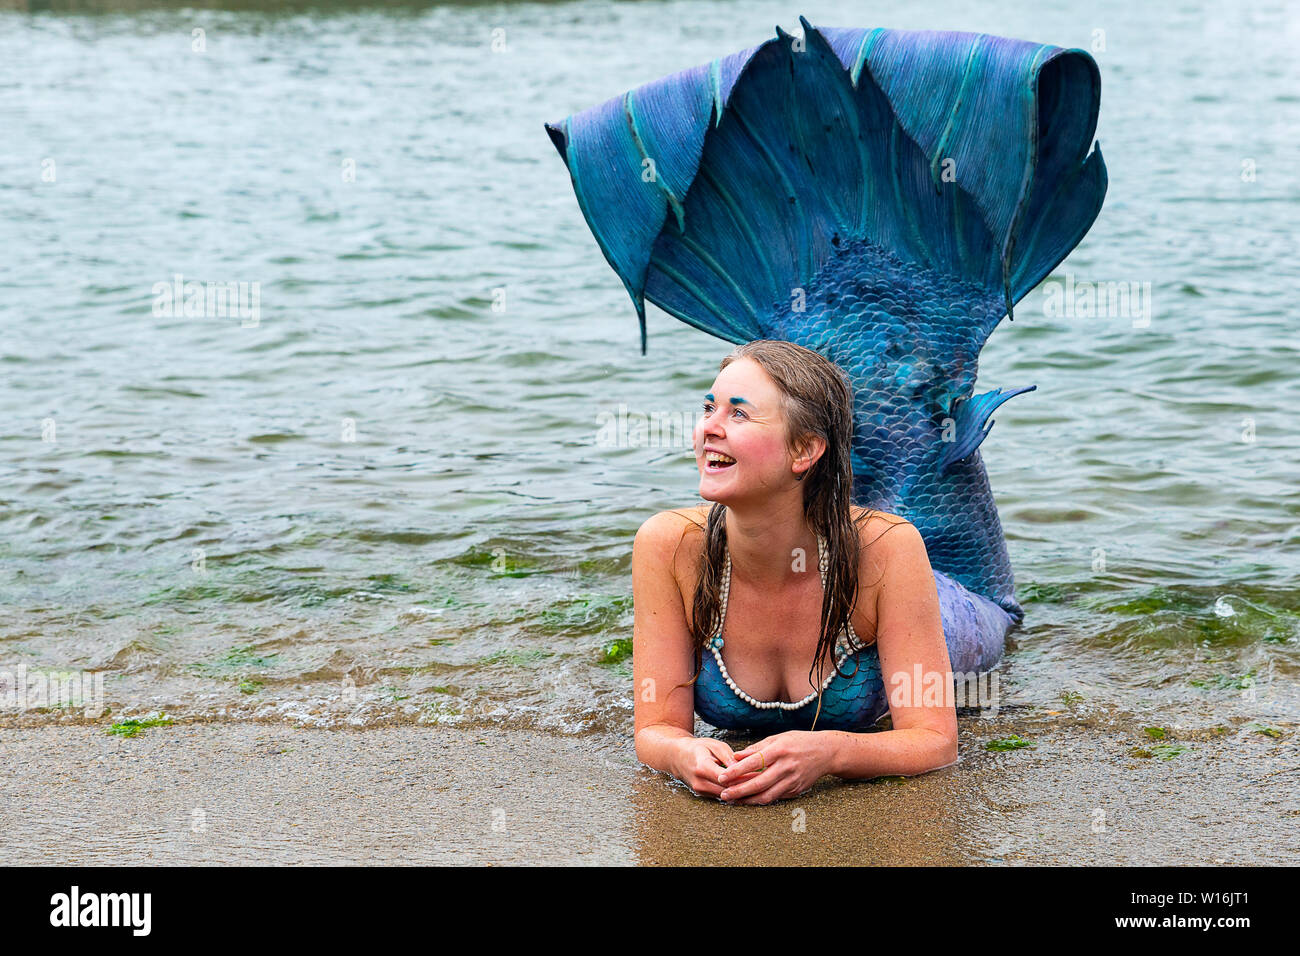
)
(742, 419)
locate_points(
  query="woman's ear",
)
(812, 447)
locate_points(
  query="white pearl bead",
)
(841, 648)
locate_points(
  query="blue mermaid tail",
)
(883, 197)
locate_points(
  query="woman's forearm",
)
(857, 756)
(656, 746)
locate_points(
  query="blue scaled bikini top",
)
(852, 696)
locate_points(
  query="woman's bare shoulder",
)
(875, 521)
(676, 521)
(874, 527)
(669, 535)
(670, 528)
(697, 515)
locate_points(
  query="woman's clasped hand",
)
(775, 768)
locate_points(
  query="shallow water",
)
(390, 497)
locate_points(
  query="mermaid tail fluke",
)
(883, 197)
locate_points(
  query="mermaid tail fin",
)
(883, 197)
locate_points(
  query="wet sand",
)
(243, 793)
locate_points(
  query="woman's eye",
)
(708, 410)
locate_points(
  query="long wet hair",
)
(816, 399)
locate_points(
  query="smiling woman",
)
(774, 457)
(862, 208)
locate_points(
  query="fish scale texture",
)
(905, 341)
(882, 197)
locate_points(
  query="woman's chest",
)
(770, 638)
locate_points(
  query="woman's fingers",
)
(758, 745)
(769, 794)
(736, 771)
(753, 763)
(709, 764)
(783, 788)
(758, 783)
(761, 754)
(703, 786)
(723, 753)
(703, 780)
(744, 776)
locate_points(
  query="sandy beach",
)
(243, 793)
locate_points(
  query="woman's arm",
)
(913, 659)
(916, 670)
(664, 714)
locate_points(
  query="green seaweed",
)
(1039, 592)
(596, 614)
(246, 656)
(1157, 599)
(448, 599)
(388, 582)
(615, 650)
(1258, 728)
(1223, 681)
(517, 658)
(132, 727)
(313, 594)
(510, 564)
(198, 590)
(1014, 742)
(250, 686)
(1170, 617)
(1156, 733)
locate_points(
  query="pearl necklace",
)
(715, 645)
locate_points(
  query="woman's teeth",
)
(715, 459)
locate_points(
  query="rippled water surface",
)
(385, 497)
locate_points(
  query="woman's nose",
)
(710, 422)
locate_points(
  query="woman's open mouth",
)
(716, 461)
